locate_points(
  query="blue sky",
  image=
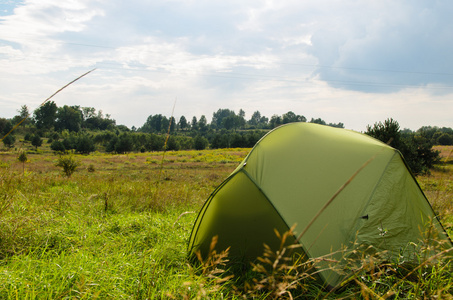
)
(356, 62)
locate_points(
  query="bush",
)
(416, 149)
(23, 159)
(172, 144)
(445, 139)
(68, 163)
(70, 142)
(57, 146)
(9, 140)
(85, 145)
(200, 143)
(28, 137)
(36, 141)
(124, 144)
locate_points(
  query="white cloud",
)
(393, 43)
(344, 61)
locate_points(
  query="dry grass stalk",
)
(212, 269)
(21, 121)
(336, 194)
(280, 272)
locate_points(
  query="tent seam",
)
(272, 204)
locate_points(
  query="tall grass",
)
(101, 234)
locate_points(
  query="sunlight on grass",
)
(109, 232)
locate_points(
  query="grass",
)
(101, 234)
(110, 232)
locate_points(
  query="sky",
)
(355, 62)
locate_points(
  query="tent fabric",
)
(288, 177)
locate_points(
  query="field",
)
(118, 229)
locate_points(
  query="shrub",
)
(416, 149)
(200, 143)
(445, 139)
(85, 145)
(36, 141)
(172, 144)
(68, 163)
(124, 144)
(23, 158)
(9, 140)
(57, 146)
(28, 137)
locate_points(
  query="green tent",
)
(287, 179)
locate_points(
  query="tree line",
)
(84, 130)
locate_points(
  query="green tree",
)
(94, 121)
(173, 144)
(182, 123)
(221, 140)
(28, 136)
(88, 113)
(255, 119)
(156, 142)
(9, 141)
(124, 144)
(416, 149)
(69, 117)
(110, 144)
(418, 153)
(219, 116)
(165, 125)
(275, 121)
(228, 122)
(85, 144)
(45, 115)
(23, 112)
(240, 119)
(194, 123)
(200, 143)
(156, 123)
(70, 142)
(58, 146)
(172, 124)
(23, 116)
(5, 127)
(238, 141)
(36, 141)
(387, 132)
(318, 121)
(427, 131)
(337, 125)
(445, 139)
(291, 117)
(203, 124)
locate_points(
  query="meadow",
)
(118, 229)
